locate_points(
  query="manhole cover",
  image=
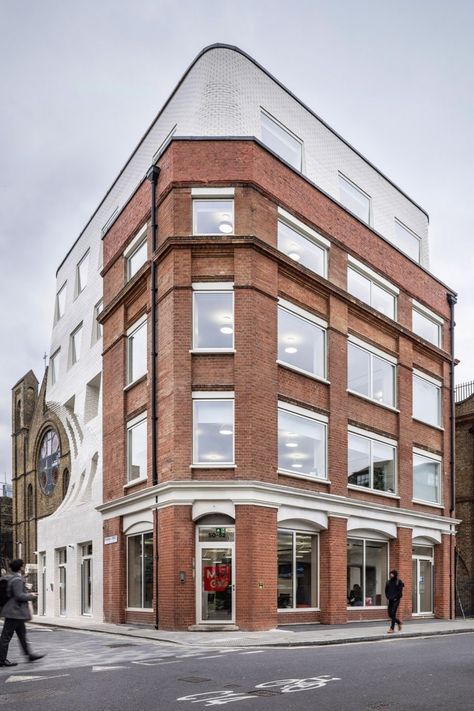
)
(193, 679)
(121, 644)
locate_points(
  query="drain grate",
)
(193, 679)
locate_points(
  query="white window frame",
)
(213, 195)
(376, 279)
(344, 179)
(373, 351)
(315, 417)
(315, 321)
(314, 534)
(57, 314)
(439, 460)
(140, 323)
(137, 242)
(307, 233)
(411, 232)
(210, 287)
(54, 366)
(73, 359)
(364, 560)
(430, 316)
(79, 286)
(215, 396)
(439, 385)
(142, 417)
(142, 608)
(96, 326)
(280, 125)
(375, 437)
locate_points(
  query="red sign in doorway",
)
(216, 577)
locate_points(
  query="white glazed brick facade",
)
(222, 94)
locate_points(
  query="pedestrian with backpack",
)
(14, 599)
(394, 592)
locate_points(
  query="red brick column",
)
(115, 590)
(442, 588)
(333, 572)
(256, 567)
(401, 560)
(338, 402)
(176, 550)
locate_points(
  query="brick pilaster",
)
(333, 565)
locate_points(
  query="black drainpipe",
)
(452, 300)
(152, 176)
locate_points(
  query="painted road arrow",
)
(33, 678)
(98, 669)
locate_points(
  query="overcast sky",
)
(81, 81)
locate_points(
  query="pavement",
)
(301, 635)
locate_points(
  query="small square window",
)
(82, 274)
(137, 352)
(75, 345)
(354, 199)
(213, 217)
(213, 319)
(213, 432)
(137, 450)
(281, 141)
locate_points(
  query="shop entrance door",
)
(215, 575)
(423, 583)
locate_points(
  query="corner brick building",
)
(277, 373)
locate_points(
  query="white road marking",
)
(259, 651)
(214, 656)
(156, 664)
(100, 669)
(33, 678)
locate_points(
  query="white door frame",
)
(200, 546)
(417, 559)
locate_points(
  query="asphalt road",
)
(111, 673)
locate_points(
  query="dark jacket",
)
(16, 607)
(394, 589)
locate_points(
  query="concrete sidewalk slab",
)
(292, 636)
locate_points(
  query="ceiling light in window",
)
(225, 225)
(291, 434)
(225, 430)
(291, 444)
(297, 466)
(227, 330)
(297, 455)
(213, 457)
(295, 256)
(291, 349)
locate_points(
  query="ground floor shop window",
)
(297, 570)
(367, 572)
(140, 571)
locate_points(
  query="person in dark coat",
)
(16, 612)
(393, 592)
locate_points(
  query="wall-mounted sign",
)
(110, 539)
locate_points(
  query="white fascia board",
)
(302, 227)
(374, 276)
(372, 435)
(301, 312)
(428, 455)
(212, 192)
(429, 378)
(426, 312)
(297, 410)
(373, 349)
(213, 285)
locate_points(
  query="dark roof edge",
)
(234, 48)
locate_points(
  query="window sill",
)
(428, 424)
(134, 482)
(374, 402)
(138, 609)
(303, 372)
(211, 351)
(427, 503)
(367, 607)
(298, 609)
(353, 487)
(303, 476)
(213, 466)
(135, 382)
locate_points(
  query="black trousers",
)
(9, 628)
(392, 612)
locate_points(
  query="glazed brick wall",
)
(114, 567)
(256, 567)
(333, 585)
(176, 601)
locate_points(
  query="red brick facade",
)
(260, 275)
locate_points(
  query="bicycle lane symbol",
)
(285, 686)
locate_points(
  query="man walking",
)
(16, 612)
(393, 592)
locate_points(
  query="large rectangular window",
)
(426, 477)
(213, 216)
(426, 399)
(61, 302)
(301, 340)
(371, 463)
(367, 572)
(82, 273)
(371, 288)
(140, 571)
(54, 362)
(213, 428)
(281, 141)
(297, 570)
(137, 449)
(75, 345)
(354, 199)
(137, 351)
(213, 317)
(136, 253)
(427, 324)
(370, 374)
(302, 441)
(302, 244)
(407, 241)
